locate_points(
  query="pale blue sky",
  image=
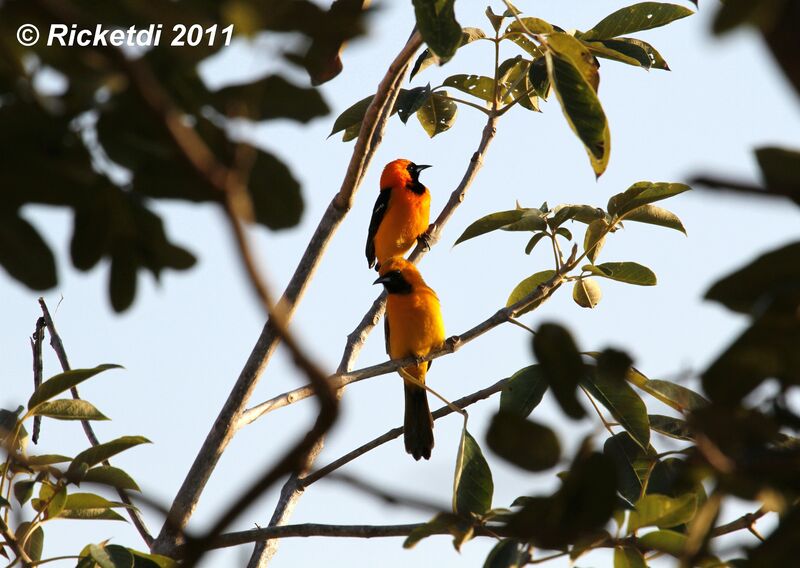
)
(184, 341)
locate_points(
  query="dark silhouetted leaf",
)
(489, 223)
(460, 527)
(633, 464)
(628, 557)
(437, 23)
(34, 540)
(523, 392)
(534, 241)
(409, 101)
(275, 193)
(508, 553)
(595, 238)
(269, 98)
(561, 364)
(25, 255)
(667, 541)
(426, 58)
(524, 443)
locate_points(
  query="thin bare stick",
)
(58, 347)
(747, 521)
(38, 368)
(397, 432)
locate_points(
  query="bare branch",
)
(747, 521)
(38, 367)
(58, 347)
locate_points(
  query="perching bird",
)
(413, 326)
(401, 213)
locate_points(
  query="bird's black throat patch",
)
(395, 283)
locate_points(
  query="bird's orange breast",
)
(407, 217)
(415, 325)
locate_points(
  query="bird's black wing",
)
(381, 205)
(386, 333)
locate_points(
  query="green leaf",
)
(25, 255)
(96, 454)
(564, 232)
(460, 527)
(634, 55)
(490, 223)
(634, 464)
(518, 34)
(34, 543)
(534, 241)
(438, 114)
(352, 116)
(642, 193)
(561, 364)
(581, 107)
(762, 279)
(667, 541)
(436, 21)
(91, 515)
(662, 511)
(653, 215)
(111, 556)
(475, 85)
(676, 396)
(595, 238)
(4, 502)
(64, 381)
(473, 486)
(526, 444)
(570, 49)
(523, 392)
(515, 84)
(527, 287)
(531, 220)
(638, 17)
(69, 409)
(495, 20)
(626, 48)
(112, 476)
(628, 272)
(628, 557)
(56, 500)
(143, 560)
(79, 501)
(23, 490)
(672, 427)
(427, 58)
(622, 402)
(581, 213)
(508, 553)
(47, 459)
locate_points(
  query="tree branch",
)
(397, 432)
(58, 347)
(291, 491)
(228, 420)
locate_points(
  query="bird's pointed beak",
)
(381, 280)
(423, 167)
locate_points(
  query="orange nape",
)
(401, 214)
(414, 327)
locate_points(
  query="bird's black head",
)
(413, 171)
(394, 282)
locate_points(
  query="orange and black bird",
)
(413, 326)
(401, 213)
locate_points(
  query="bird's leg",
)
(424, 239)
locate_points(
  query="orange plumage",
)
(401, 213)
(414, 326)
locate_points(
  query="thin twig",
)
(397, 432)
(744, 522)
(38, 367)
(11, 541)
(58, 347)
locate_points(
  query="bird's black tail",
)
(418, 423)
